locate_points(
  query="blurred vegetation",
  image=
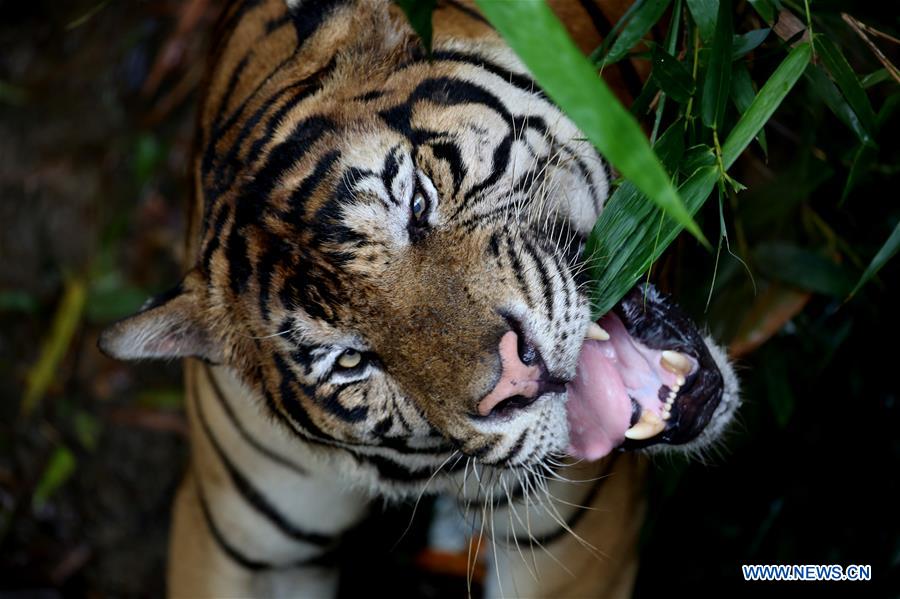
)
(95, 130)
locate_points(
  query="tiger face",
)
(391, 259)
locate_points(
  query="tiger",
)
(385, 297)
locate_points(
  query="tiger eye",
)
(419, 206)
(350, 359)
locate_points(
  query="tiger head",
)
(390, 258)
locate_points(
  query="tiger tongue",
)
(598, 405)
(617, 385)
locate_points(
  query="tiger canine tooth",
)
(648, 426)
(595, 331)
(675, 362)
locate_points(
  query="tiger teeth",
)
(648, 426)
(675, 362)
(596, 332)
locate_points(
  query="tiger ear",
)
(170, 325)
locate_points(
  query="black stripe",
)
(519, 80)
(309, 15)
(226, 547)
(515, 449)
(245, 434)
(324, 559)
(518, 271)
(546, 283)
(253, 496)
(297, 415)
(449, 152)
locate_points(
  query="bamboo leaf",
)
(745, 43)
(887, 251)
(632, 233)
(704, 13)
(865, 154)
(766, 102)
(874, 78)
(764, 9)
(567, 77)
(832, 97)
(742, 93)
(846, 80)
(645, 16)
(717, 82)
(673, 76)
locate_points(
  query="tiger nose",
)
(522, 376)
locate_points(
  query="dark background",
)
(96, 105)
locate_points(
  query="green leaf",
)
(697, 157)
(874, 78)
(58, 470)
(764, 9)
(641, 104)
(765, 103)
(802, 268)
(743, 44)
(704, 13)
(865, 154)
(632, 233)
(887, 251)
(65, 323)
(17, 300)
(829, 93)
(717, 83)
(418, 13)
(673, 76)
(846, 80)
(86, 428)
(742, 93)
(567, 77)
(644, 16)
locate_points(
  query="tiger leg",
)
(546, 547)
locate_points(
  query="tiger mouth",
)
(645, 377)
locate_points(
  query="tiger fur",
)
(340, 338)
